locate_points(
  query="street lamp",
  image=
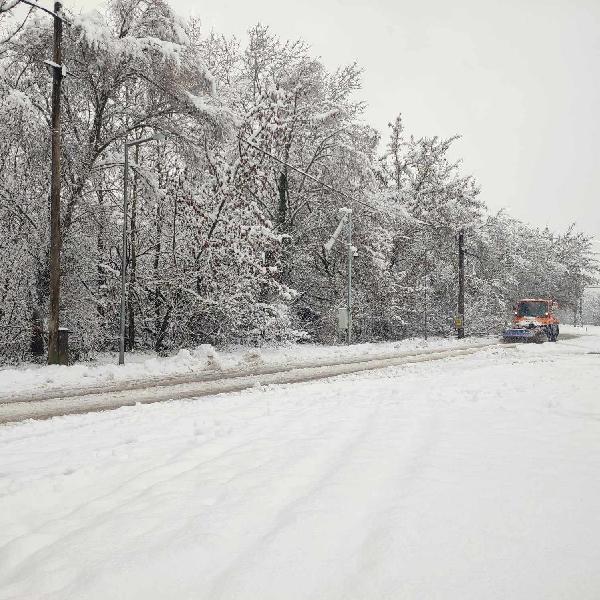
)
(425, 285)
(352, 252)
(158, 136)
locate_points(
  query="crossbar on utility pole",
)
(55, 233)
(54, 14)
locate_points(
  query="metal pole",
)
(350, 256)
(425, 309)
(461, 284)
(123, 259)
(55, 236)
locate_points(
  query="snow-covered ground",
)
(30, 405)
(148, 369)
(468, 478)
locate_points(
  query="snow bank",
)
(138, 367)
(141, 368)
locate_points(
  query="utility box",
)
(342, 320)
(63, 345)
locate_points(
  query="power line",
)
(290, 166)
(305, 174)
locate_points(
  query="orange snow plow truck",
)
(533, 321)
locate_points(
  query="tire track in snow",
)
(98, 507)
(211, 375)
(403, 514)
(97, 512)
(18, 411)
(397, 483)
(380, 475)
(131, 489)
(328, 465)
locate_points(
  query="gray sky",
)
(518, 79)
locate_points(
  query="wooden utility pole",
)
(55, 234)
(461, 285)
(349, 282)
(425, 307)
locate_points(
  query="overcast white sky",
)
(518, 79)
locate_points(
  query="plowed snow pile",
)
(468, 478)
(149, 369)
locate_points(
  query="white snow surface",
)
(142, 368)
(468, 478)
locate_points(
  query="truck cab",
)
(534, 319)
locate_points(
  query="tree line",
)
(226, 243)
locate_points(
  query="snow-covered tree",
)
(228, 215)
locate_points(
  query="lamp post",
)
(425, 284)
(346, 218)
(158, 137)
(351, 253)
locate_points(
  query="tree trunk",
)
(159, 324)
(282, 227)
(37, 334)
(282, 188)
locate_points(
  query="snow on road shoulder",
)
(143, 368)
(465, 478)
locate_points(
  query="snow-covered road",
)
(467, 478)
(40, 405)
